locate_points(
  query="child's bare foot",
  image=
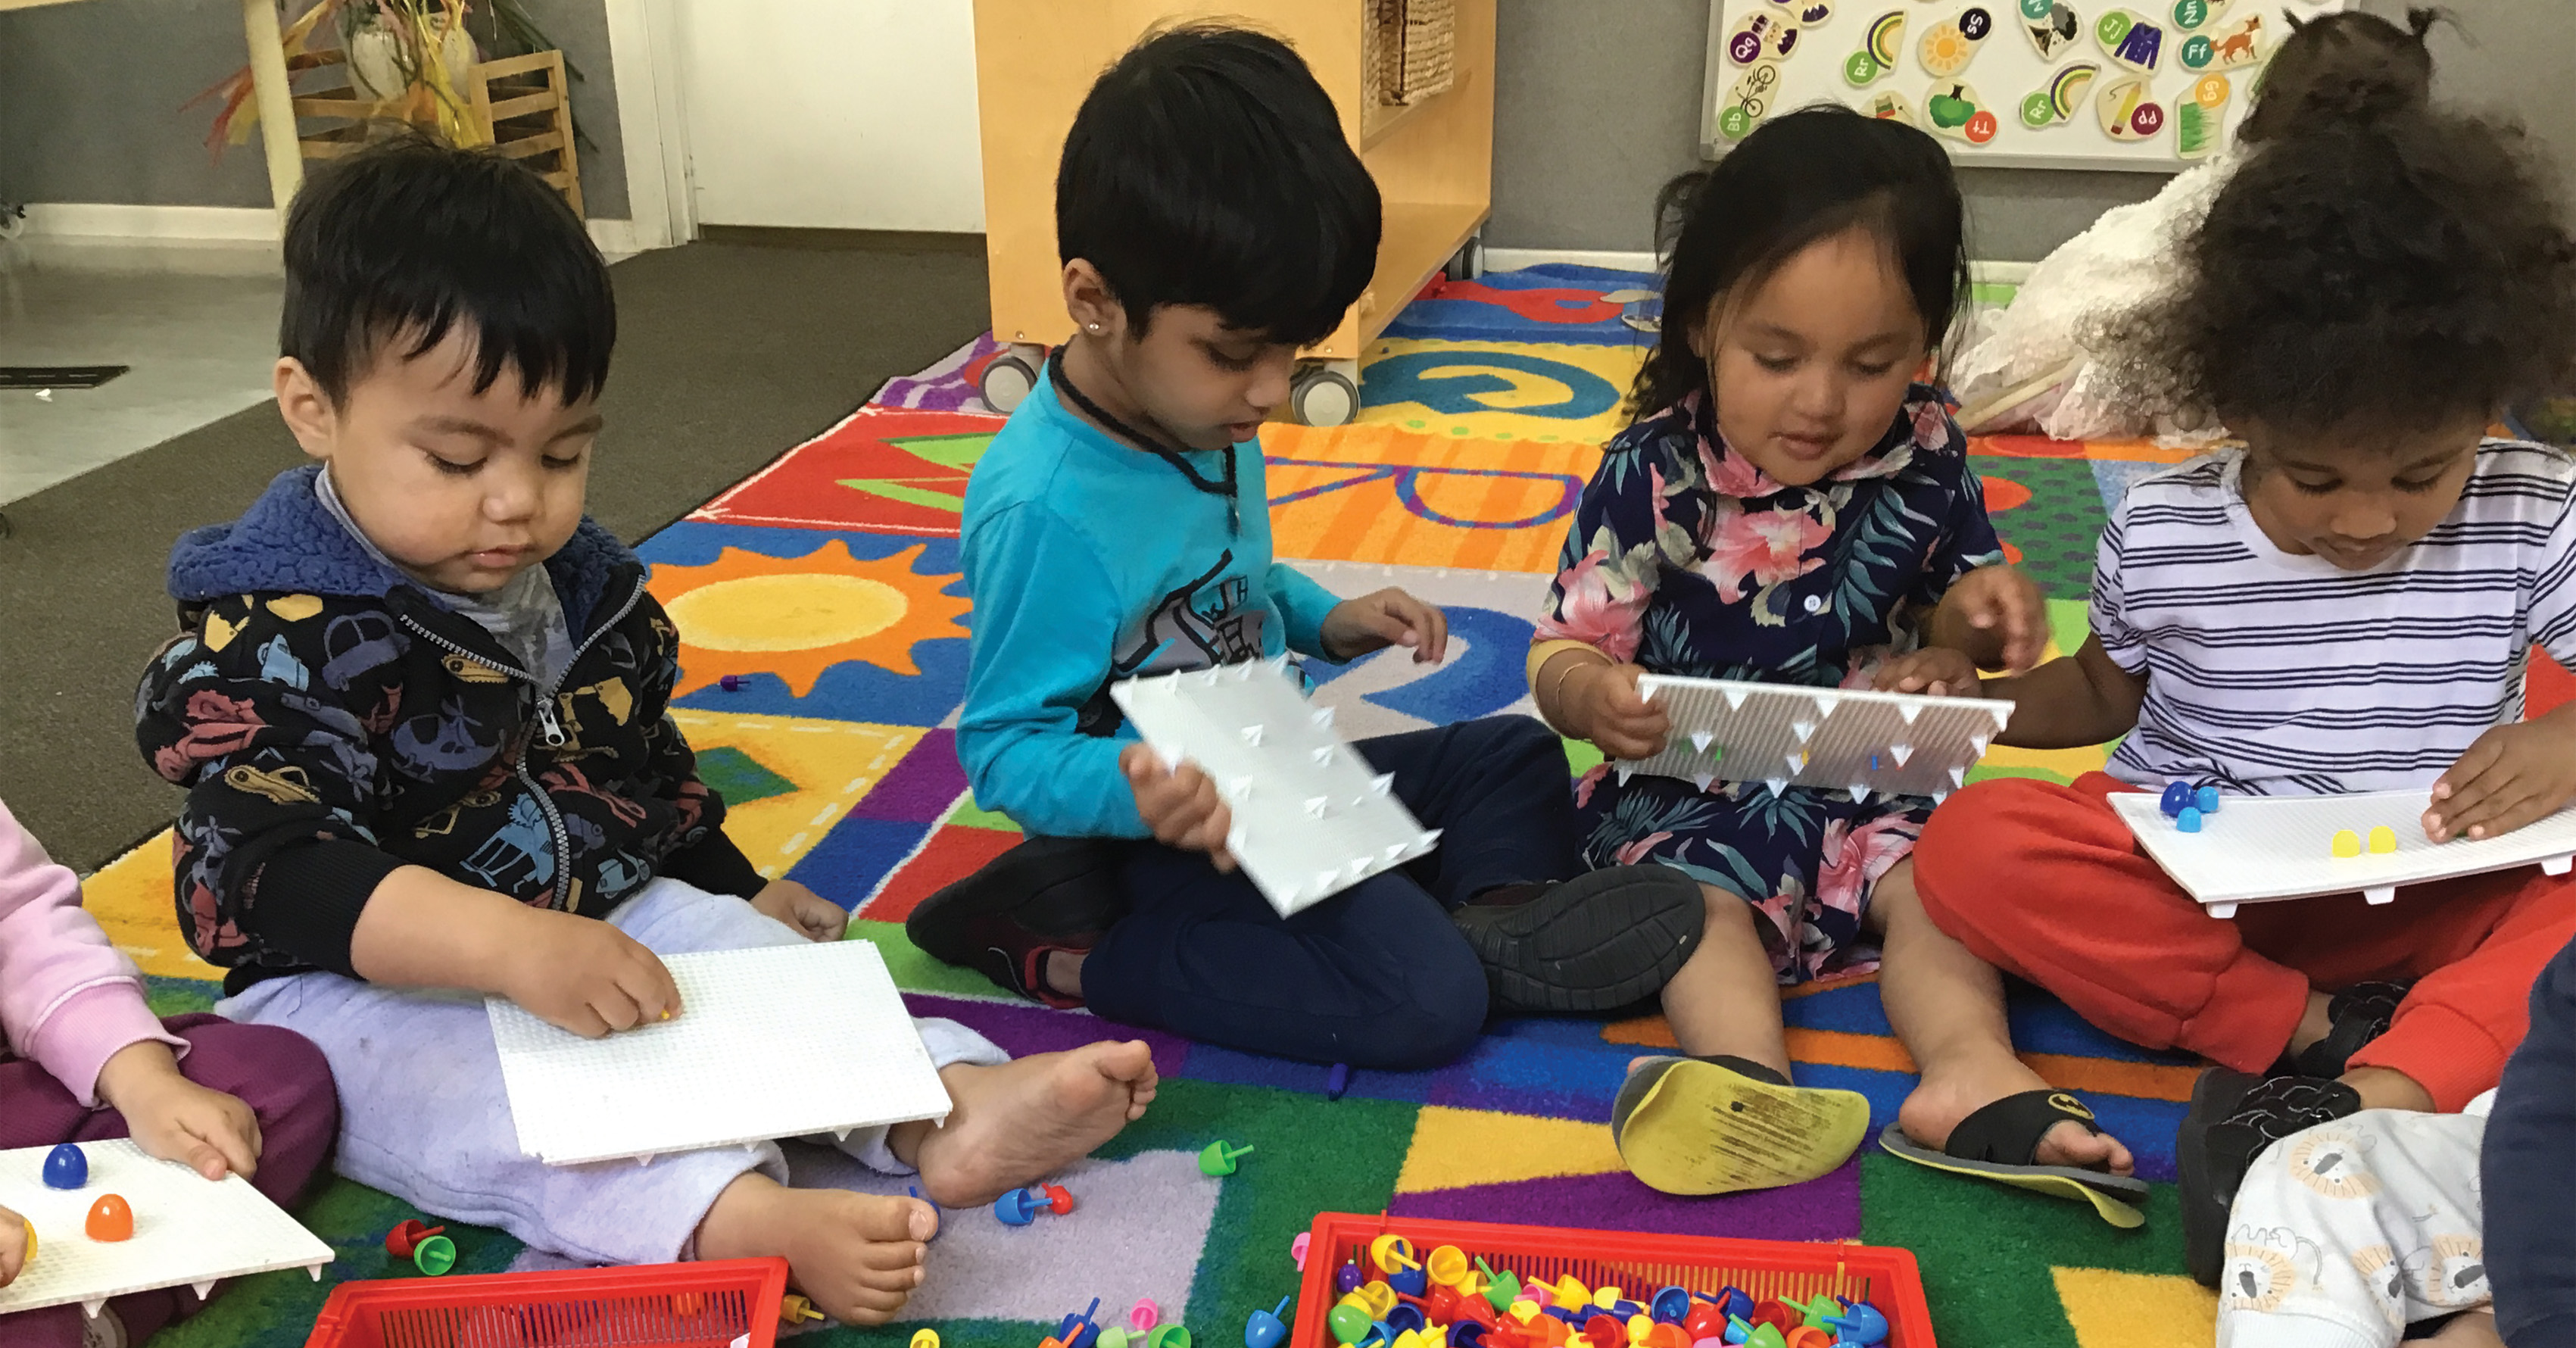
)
(1944, 1098)
(1019, 1122)
(857, 1256)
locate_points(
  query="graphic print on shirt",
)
(1209, 621)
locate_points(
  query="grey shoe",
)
(1605, 940)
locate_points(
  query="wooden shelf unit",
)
(1433, 159)
(522, 101)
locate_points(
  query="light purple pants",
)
(424, 1115)
(278, 1074)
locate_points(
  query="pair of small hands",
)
(1182, 807)
(2511, 776)
(1600, 701)
(588, 977)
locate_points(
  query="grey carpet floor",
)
(727, 355)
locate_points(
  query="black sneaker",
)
(1045, 895)
(1608, 939)
(2234, 1116)
(2357, 1015)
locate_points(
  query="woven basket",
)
(1412, 49)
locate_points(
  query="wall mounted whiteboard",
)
(2143, 85)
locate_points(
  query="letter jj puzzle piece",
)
(2260, 848)
(189, 1231)
(1311, 818)
(779, 1041)
(1780, 735)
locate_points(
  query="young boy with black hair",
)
(420, 707)
(1212, 220)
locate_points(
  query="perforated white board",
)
(189, 1231)
(1311, 818)
(1902, 744)
(783, 1041)
(2257, 849)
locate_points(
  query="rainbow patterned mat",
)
(830, 584)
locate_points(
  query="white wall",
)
(831, 114)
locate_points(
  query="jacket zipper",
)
(549, 727)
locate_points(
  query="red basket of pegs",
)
(729, 1303)
(1640, 1263)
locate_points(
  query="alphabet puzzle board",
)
(2257, 849)
(188, 1230)
(2096, 84)
(1781, 735)
(1311, 817)
(781, 1041)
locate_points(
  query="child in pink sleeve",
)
(87, 1060)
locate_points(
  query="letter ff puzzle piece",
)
(1311, 818)
(1783, 735)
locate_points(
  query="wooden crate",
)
(522, 104)
(1432, 156)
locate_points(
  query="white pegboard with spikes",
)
(189, 1231)
(1311, 817)
(1782, 735)
(2256, 849)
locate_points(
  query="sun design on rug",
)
(795, 617)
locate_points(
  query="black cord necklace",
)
(1224, 486)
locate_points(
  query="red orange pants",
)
(2044, 882)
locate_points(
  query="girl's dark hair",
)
(391, 248)
(2341, 67)
(1800, 178)
(2401, 272)
(1208, 167)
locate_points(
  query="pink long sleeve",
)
(68, 999)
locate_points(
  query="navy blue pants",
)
(1375, 976)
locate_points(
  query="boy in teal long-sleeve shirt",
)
(1213, 221)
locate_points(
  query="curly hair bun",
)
(2344, 68)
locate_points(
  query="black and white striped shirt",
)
(2285, 675)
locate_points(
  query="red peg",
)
(1605, 1332)
(1780, 1315)
(1059, 1202)
(407, 1236)
(1442, 1305)
(1705, 1321)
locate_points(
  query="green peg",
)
(1218, 1158)
(1172, 1336)
(1501, 1289)
(1822, 1313)
(434, 1256)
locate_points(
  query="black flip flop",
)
(1998, 1141)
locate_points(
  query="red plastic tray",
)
(698, 1305)
(1638, 1262)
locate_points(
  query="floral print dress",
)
(1688, 560)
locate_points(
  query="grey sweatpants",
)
(424, 1117)
(2344, 1234)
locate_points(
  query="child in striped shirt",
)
(2346, 603)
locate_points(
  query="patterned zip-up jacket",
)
(333, 721)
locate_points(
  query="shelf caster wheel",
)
(1009, 377)
(1469, 261)
(1328, 394)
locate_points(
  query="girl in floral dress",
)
(1789, 507)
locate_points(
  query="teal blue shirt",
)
(1092, 561)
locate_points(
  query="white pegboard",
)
(1311, 818)
(2258, 849)
(189, 1231)
(1783, 735)
(781, 1041)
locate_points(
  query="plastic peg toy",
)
(2177, 795)
(731, 683)
(1667, 1336)
(1734, 1301)
(1297, 1249)
(2188, 821)
(110, 1219)
(1168, 1336)
(1467, 1334)
(1019, 1207)
(2206, 799)
(1337, 1082)
(2383, 840)
(1767, 1336)
(1819, 1311)
(1808, 1336)
(1780, 1315)
(1639, 1328)
(925, 1338)
(1218, 1158)
(1412, 1282)
(1607, 1298)
(1672, 1305)
(1144, 1315)
(1379, 1298)
(915, 1191)
(407, 1236)
(1501, 1289)
(1391, 1253)
(1448, 1265)
(1860, 1325)
(796, 1310)
(30, 1256)
(1405, 1338)
(1346, 1279)
(1050, 1341)
(1403, 1317)
(1348, 1323)
(434, 1255)
(2345, 843)
(1080, 1330)
(1704, 1321)
(1571, 1292)
(1119, 1338)
(1603, 1332)
(66, 1167)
